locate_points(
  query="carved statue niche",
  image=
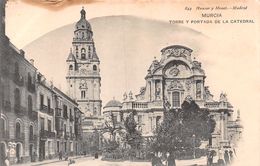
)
(174, 71)
(130, 95)
(175, 85)
(157, 90)
(188, 84)
(125, 96)
(83, 84)
(223, 97)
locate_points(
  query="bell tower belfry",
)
(83, 76)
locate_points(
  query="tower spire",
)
(83, 13)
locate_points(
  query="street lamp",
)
(193, 138)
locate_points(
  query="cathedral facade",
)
(176, 77)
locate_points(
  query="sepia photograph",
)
(129, 83)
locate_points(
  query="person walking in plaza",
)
(171, 160)
(156, 161)
(60, 155)
(231, 156)
(226, 157)
(210, 158)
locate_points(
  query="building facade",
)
(37, 119)
(176, 77)
(18, 97)
(59, 122)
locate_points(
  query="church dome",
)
(113, 103)
(83, 23)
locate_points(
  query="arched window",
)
(83, 35)
(89, 52)
(158, 121)
(94, 67)
(83, 94)
(31, 132)
(70, 67)
(83, 53)
(18, 130)
(176, 99)
(30, 104)
(17, 97)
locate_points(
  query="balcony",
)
(65, 115)
(33, 115)
(50, 111)
(20, 137)
(78, 136)
(4, 135)
(67, 135)
(19, 110)
(59, 133)
(31, 87)
(6, 105)
(73, 135)
(58, 112)
(43, 108)
(71, 118)
(32, 138)
(18, 79)
(44, 134)
(51, 134)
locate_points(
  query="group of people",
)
(169, 160)
(61, 155)
(225, 158)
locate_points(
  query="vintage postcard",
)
(172, 83)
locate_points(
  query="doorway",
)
(2, 153)
(18, 153)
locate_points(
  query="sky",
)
(229, 55)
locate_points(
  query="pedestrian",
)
(96, 155)
(231, 156)
(210, 158)
(66, 157)
(153, 159)
(226, 158)
(60, 155)
(156, 161)
(171, 160)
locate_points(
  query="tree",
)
(183, 129)
(112, 127)
(133, 136)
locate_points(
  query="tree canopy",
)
(133, 136)
(183, 129)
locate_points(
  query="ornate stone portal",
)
(176, 78)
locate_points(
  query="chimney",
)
(32, 61)
(22, 52)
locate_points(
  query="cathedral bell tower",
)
(83, 78)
